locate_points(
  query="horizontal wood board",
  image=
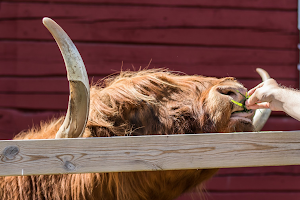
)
(149, 153)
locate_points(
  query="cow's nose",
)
(236, 93)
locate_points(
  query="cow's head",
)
(160, 102)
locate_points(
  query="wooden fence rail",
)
(148, 153)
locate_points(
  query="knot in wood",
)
(10, 152)
(69, 166)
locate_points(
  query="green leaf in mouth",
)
(237, 103)
(242, 104)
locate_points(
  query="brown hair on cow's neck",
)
(134, 103)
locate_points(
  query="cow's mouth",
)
(242, 115)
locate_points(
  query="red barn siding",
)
(213, 38)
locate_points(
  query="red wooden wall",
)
(212, 38)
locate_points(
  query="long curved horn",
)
(79, 99)
(261, 115)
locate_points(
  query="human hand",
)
(264, 96)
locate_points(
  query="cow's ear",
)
(79, 99)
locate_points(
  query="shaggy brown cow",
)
(133, 103)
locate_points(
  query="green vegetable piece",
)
(246, 96)
(237, 103)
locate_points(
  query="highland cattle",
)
(145, 102)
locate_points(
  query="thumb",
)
(252, 100)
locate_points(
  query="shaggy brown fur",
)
(137, 103)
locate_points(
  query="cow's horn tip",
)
(263, 73)
(259, 69)
(46, 19)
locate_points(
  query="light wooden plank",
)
(149, 153)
